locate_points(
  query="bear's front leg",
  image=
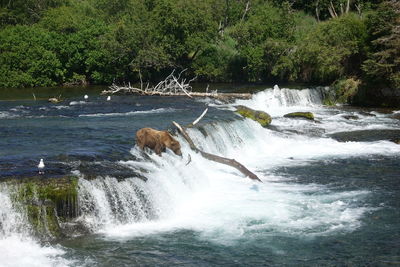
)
(159, 148)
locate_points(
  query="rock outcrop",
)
(261, 117)
(50, 204)
(301, 115)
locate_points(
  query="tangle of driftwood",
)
(171, 86)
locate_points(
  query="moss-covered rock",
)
(48, 202)
(302, 115)
(259, 116)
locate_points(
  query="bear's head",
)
(176, 147)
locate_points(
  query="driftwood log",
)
(172, 86)
(230, 162)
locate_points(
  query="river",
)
(330, 194)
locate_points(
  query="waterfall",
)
(277, 100)
(106, 201)
(206, 196)
(194, 193)
(217, 200)
(17, 244)
(13, 219)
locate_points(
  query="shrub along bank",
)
(69, 42)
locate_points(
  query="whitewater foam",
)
(224, 207)
(278, 102)
(7, 115)
(130, 113)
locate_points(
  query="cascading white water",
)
(107, 201)
(215, 199)
(277, 101)
(17, 245)
(11, 221)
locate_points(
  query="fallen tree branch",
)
(199, 118)
(171, 86)
(230, 162)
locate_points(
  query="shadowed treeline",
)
(69, 42)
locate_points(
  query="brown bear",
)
(157, 141)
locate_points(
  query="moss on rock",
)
(259, 116)
(304, 115)
(48, 202)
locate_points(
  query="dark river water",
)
(330, 194)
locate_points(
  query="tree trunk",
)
(332, 10)
(246, 10)
(317, 10)
(348, 6)
(230, 162)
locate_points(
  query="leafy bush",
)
(28, 57)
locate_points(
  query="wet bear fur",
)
(157, 141)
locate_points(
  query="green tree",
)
(28, 57)
(79, 47)
(25, 11)
(265, 25)
(383, 63)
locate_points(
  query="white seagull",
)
(108, 98)
(41, 166)
(86, 97)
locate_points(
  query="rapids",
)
(322, 200)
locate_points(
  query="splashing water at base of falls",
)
(17, 246)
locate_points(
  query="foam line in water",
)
(130, 113)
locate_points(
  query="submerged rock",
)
(304, 115)
(367, 114)
(367, 136)
(259, 116)
(396, 141)
(350, 117)
(396, 116)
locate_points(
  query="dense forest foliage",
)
(53, 42)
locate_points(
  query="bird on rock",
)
(41, 166)
(86, 97)
(108, 98)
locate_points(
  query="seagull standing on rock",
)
(41, 166)
(108, 98)
(86, 97)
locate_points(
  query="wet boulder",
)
(396, 116)
(367, 135)
(350, 117)
(396, 141)
(301, 115)
(261, 117)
